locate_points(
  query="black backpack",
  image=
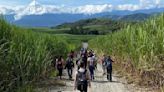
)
(82, 82)
(70, 63)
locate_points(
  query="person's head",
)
(82, 64)
(86, 51)
(72, 51)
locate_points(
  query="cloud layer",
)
(34, 8)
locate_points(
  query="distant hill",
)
(98, 26)
(89, 22)
(107, 19)
(48, 19)
(135, 17)
(94, 26)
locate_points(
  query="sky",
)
(28, 7)
(75, 3)
(71, 2)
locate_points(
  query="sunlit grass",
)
(26, 56)
(142, 43)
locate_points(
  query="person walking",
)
(72, 54)
(95, 60)
(82, 79)
(59, 66)
(69, 66)
(103, 64)
(108, 63)
(91, 66)
(84, 58)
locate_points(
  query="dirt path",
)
(100, 84)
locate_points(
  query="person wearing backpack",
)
(82, 79)
(69, 66)
(59, 66)
(103, 64)
(72, 54)
(84, 58)
(95, 60)
(78, 61)
(108, 63)
(91, 66)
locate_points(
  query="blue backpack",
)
(108, 63)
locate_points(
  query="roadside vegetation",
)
(26, 56)
(138, 51)
(26, 53)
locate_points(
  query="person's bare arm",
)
(112, 60)
(63, 63)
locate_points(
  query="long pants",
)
(69, 71)
(84, 88)
(60, 70)
(109, 74)
(91, 69)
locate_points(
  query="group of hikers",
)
(86, 63)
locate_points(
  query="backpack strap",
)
(83, 72)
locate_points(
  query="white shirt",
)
(90, 61)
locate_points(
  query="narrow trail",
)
(100, 84)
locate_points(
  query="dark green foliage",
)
(26, 56)
(93, 26)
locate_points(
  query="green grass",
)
(49, 30)
(142, 45)
(26, 56)
(76, 40)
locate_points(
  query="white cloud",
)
(157, 2)
(6, 10)
(91, 9)
(34, 8)
(147, 4)
(130, 7)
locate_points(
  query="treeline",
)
(138, 50)
(80, 30)
(25, 56)
(95, 26)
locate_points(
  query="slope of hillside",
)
(97, 26)
(50, 19)
(135, 17)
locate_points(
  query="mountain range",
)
(37, 15)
